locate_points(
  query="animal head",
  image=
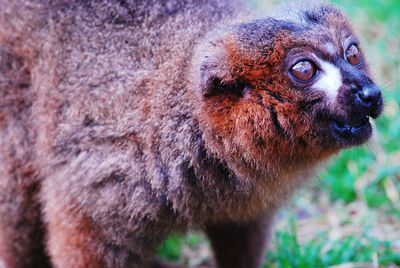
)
(284, 92)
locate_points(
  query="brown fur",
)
(121, 123)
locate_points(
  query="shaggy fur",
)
(124, 121)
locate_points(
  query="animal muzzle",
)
(369, 99)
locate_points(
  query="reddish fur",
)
(71, 242)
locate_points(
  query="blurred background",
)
(350, 215)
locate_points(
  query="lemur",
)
(124, 121)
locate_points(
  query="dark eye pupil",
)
(303, 70)
(353, 55)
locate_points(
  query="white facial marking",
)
(330, 80)
(330, 48)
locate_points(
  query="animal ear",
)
(214, 68)
(209, 82)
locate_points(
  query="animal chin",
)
(350, 133)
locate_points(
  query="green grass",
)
(324, 252)
(358, 246)
(351, 216)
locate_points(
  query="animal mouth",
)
(352, 132)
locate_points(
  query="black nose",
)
(370, 98)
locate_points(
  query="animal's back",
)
(100, 63)
(77, 76)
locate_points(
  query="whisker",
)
(275, 121)
(276, 96)
(390, 83)
(308, 104)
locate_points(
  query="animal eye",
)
(353, 55)
(303, 70)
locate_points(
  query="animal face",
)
(336, 68)
(284, 92)
(335, 64)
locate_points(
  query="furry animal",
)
(124, 121)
